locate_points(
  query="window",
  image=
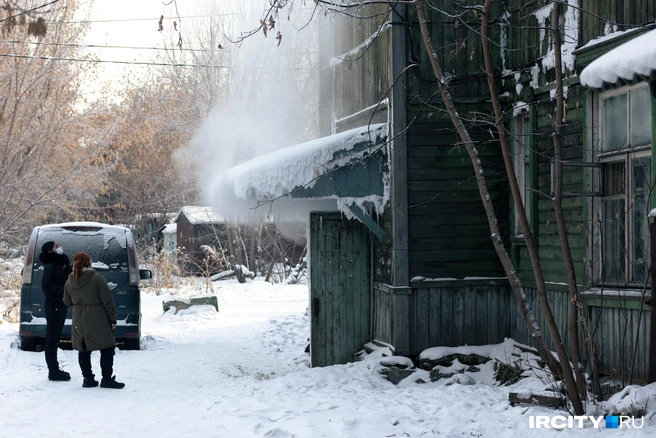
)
(624, 150)
(521, 161)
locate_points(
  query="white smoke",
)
(268, 100)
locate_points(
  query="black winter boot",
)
(58, 375)
(111, 383)
(89, 382)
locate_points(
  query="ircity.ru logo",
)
(580, 422)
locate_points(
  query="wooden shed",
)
(197, 226)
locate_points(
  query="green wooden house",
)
(420, 270)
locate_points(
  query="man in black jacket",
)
(56, 267)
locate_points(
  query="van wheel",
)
(28, 343)
(131, 344)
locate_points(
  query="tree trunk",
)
(574, 305)
(565, 369)
(506, 262)
(485, 197)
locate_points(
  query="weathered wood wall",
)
(528, 81)
(354, 67)
(442, 313)
(478, 312)
(621, 333)
(449, 235)
(599, 15)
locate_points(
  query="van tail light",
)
(133, 266)
(29, 259)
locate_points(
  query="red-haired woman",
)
(94, 320)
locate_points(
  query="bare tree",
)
(45, 168)
(142, 132)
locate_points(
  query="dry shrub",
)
(10, 285)
(166, 272)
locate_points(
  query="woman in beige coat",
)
(94, 320)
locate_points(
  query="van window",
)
(107, 250)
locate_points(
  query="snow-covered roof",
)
(198, 215)
(636, 57)
(170, 229)
(277, 173)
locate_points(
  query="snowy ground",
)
(243, 372)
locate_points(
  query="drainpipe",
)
(651, 374)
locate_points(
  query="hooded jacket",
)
(56, 268)
(93, 311)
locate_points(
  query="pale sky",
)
(129, 29)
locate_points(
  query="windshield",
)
(108, 251)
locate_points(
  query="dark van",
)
(113, 254)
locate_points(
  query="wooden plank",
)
(458, 320)
(463, 219)
(446, 320)
(365, 286)
(449, 196)
(349, 334)
(422, 320)
(438, 164)
(466, 188)
(466, 231)
(487, 302)
(441, 204)
(435, 313)
(401, 324)
(455, 269)
(470, 316)
(359, 309)
(315, 284)
(481, 310)
(317, 293)
(450, 243)
(506, 302)
(456, 255)
(323, 339)
(536, 400)
(331, 320)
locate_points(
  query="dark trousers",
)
(55, 319)
(106, 362)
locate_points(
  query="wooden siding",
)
(619, 328)
(448, 232)
(382, 262)
(461, 314)
(448, 313)
(479, 312)
(527, 43)
(458, 49)
(525, 49)
(359, 80)
(389, 310)
(449, 235)
(620, 14)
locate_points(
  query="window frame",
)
(628, 156)
(522, 162)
